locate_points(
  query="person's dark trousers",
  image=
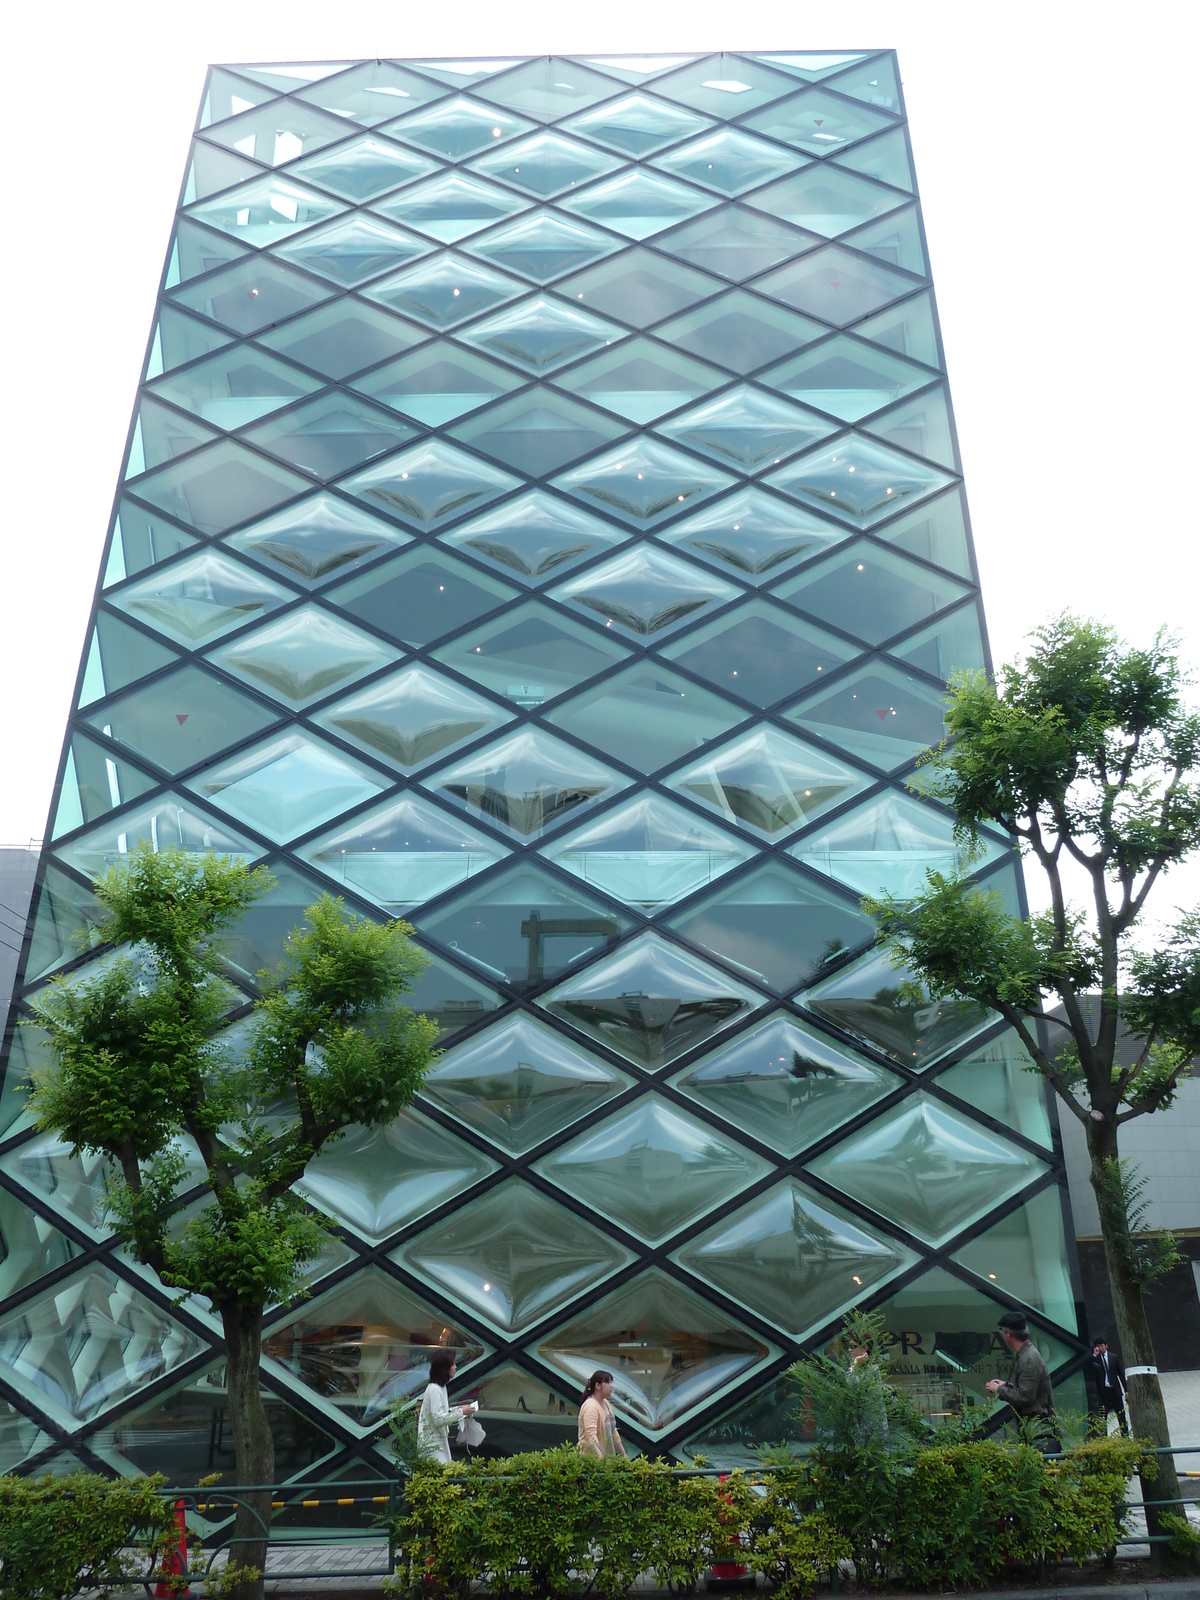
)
(1112, 1401)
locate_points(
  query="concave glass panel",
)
(736, 244)
(922, 426)
(288, 785)
(451, 999)
(179, 339)
(304, 656)
(646, 716)
(825, 200)
(999, 1079)
(643, 482)
(363, 167)
(870, 592)
(277, 132)
(889, 1009)
(266, 209)
(548, 88)
(513, 1256)
(637, 203)
(32, 1246)
(640, 380)
(352, 249)
(421, 595)
(451, 206)
(785, 1084)
(859, 480)
(78, 1348)
(538, 432)
(519, 1082)
(747, 429)
(669, 1351)
(456, 127)
(543, 245)
(775, 926)
(645, 592)
(534, 536)
(182, 718)
(235, 386)
(545, 164)
(955, 644)
(846, 377)
(835, 285)
(878, 714)
(648, 853)
(907, 328)
(527, 782)
(795, 1258)
(740, 331)
(818, 122)
(365, 1344)
(372, 92)
(437, 384)
(378, 1180)
(411, 716)
(525, 926)
(652, 1169)
(161, 434)
(650, 1001)
(889, 844)
(531, 654)
(171, 822)
(21, 1438)
(66, 924)
(753, 534)
(330, 434)
(444, 290)
(201, 597)
(321, 538)
(340, 339)
(541, 334)
(928, 1168)
(74, 1184)
(402, 853)
(1025, 1255)
(637, 124)
(759, 652)
(429, 484)
(95, 782)
(884, 158)
(873, 81)
(639, 287)
(728, 160)
(220, 486)
(253, 295)
(521, 1412)
(119, 655)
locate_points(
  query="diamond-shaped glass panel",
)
(920, 425)
(870, 592)
(66, 919)
(637, 203)
(513, 1256)
(161, 434)
(363, 168)
(753, 534)
(894, 238)
(639, 287)
(178, 339)
(372, 92)
(402, 853)
(266, 209)
(928, 1168)
(669, 1351)
(180, 719)
(259, 937)
(48, 1167)
(411, 716)
(728, 160)
(884, 157)
(210, 169)
(543, 245)
(277, 132)
(304, 656)
(878, 714)
(460, 74)
(873, 81)
(321, 538)
(785, 1084)
(859, 480)
(835, 285)
(142, 538)
(825, 200)
(847, 378)
(227, 96)
(252, 295)
(340, 339)
(652, 1168)
(235, 387)
(818, 122)
(525, 926)
(379, 1180)
(420, 596)
(95, 782)
(1025, 1254)
(450, 206)
(726, 85)
(353, 249)
(650, 1001)
(456, 127)
(644, 592)
(527, 781)
(999, 1079)
(287, 785)
(201, 597)
(284, 76)
(429, 484)
(637, 124)
(541, 334)
(648, 853)
(532, 654)
(535, 536)
(643, 482)
(34, 1247)
(759, 652)
(452, 1000)
(907, 328)
(740, 331)
(538, 432)
(641, 380)
(437, 383)
(330, 433)
(117, 656)
(548, 88)
(444, 290)
(545, 164)
(519, 1082)
(747, 429)
(735, 243)
(646, 716)
(954, 644)
(636, 69)
(168, 822)
(795, 1258)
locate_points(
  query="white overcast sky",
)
(1056, 153)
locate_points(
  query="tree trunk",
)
(1147, 1413)
(253, 1443)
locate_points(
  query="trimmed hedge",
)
(61, 1535)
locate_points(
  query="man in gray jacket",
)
(1028, 1389)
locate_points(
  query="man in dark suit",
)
(1108, 1375)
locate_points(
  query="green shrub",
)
(61, 1535)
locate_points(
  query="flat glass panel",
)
(456, 127)
(219, 487)
(640, 380)
(421, 595)
(119, 655)
(411, 716)
(196, 249)
(210, 169)
(341, 339)
(870, 592)
(637, 124)
(534, 537)
(437, 384)
(859, 480)
(644, 592)
(545, 164)
(775, 927)
(825, 200)
(378, 1180)
(835, 285)
(729, 161)
(444, 290)
(402, 853)
(753, 534)
(873, 81)
(955, 644)
(999, 1079)
(178, 339)
(736, 244)
(741, 331)
(538, 432)
(639, 287)
(330, 434)
(543, 245)
(429, 484)
(894, 238)
(32, 1247)
(235, 386)
(669, 1351)
(20, 1438)
(288, 785)
(518, 1083)
(885, 158)
(747, 428)
(201, 597)
(461, 74)
(785, 1084)
(363, 168)
(878, 714)
(1025, 1255)
(527, 782)
(353, 249)
(936, 532)
(846, 378)
(643, 482)
(818, 122)
(169, 822)
(759, 652)
(277, 132)
(258, 940)
(637, 203)
(921, 426)
(648, 853)
(286, 76)
(513, 1256)
(907, 328)
(265, 209)
(181, 719)
(650, 1001)
(451, 206)
(160, 434)
(542, 334)
(304, 656)
(646, 716)
(726, 85)
(531, 654)
(371, 93)
(548, 88)
(736, 1439)
(451, 999)
(652, 1169)
(65, 924)
(321, 538)
(94, 783)
(795, 1258)
(636, 69)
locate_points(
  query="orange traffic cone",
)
(174, 1561)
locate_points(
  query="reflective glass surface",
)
(639, 287)
(538, 432)
(847, 378)
(420, 596)
(1025, 1255)
(746, 429)
(181, 719)
(444, 290)
(835, 285)
(768, 782)
(753, 534)
(543, 245)
(200, 598)
(531, 654)
(646, 716)
(304, 656)
(456, 127)
(825, 200)
(536, 536)
(735, 243)
(429, 484)
(217, 488)
(741, 331)
(410, 716)
(728, 160)
(639, 380)
(859, 480)
(953, 644)
(362, 168)
(643, 482)
(329, 434)
(998, 1079)
(644, 592)
(288, 785)
(450, 206)
(545, 163)
(32, 1246)
(352, 249)
(870, 592)
(636, 124)
(526, 782)
(541, 334)
(437, 384)
(878, 714)
(317, 540)
(94, 781)
(757, 651)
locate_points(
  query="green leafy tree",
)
(137, 1063)
(1085, 751)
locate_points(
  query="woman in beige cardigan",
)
(598, 1434)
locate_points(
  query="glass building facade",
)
(542, 519)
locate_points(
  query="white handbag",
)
(470, 1433)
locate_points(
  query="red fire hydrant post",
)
(175, 1561)
(732, 1573)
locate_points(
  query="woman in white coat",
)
(436, 1414)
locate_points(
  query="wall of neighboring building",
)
(18, 867)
